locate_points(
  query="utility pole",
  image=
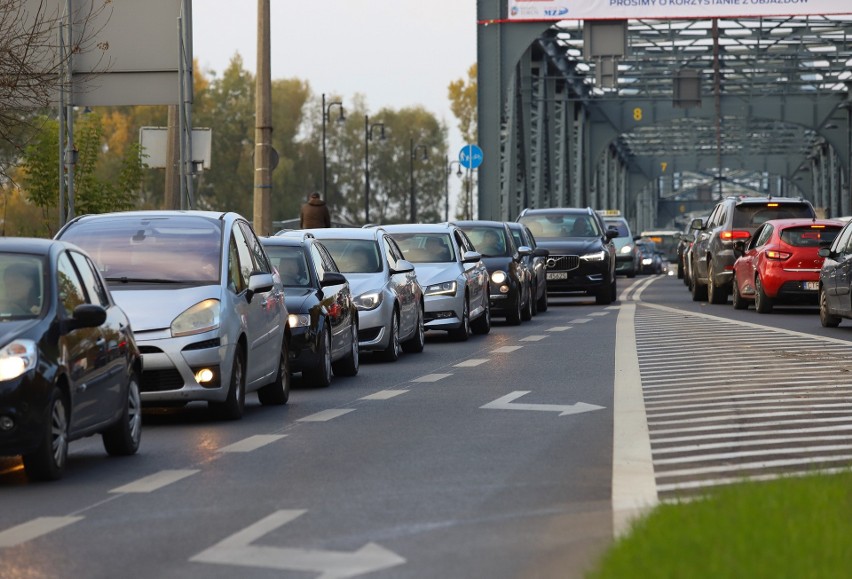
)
(172, 190)
(263, 125)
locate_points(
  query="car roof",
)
(157, 213)
(763, 200)
(786, 223)
(35, 245)
(282, 241)
(480, 223)
(557, 210)
(371, 233)
(419, 227)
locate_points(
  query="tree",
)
(463, 104)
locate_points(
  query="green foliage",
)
(41, 166)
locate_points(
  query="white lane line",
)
(770, 434)
(767, 441)
(727, 427)
(580, 321)
(740, 419)
(698, 458)
(763, 465)
(612, 307)
(431, 377)
(472, 363)
(155, 481)
(33, 530)
(634, 488)
(801, 408)
(599, 314)
(558, 328)
(505, 349)
(326, 415)
(252, 443)
(384, 395)
(533, 338)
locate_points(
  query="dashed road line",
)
(505, 349)
(154, 482)
(533, 338)
(326, 415)
(558, 328)
(580, 321)
(252, 443)
(384, 395)
(472, 363)
(431, 377)
(34, 529)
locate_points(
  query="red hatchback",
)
(779, 263)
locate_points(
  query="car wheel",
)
(699, 291)
(462, 333)
(527, 312)
(762, 302)
(47, 462)
(736, 299)
(234, 405)
(321, 374)
(827, 319)
(603, 295)
(278, 392)
(392, 352)
(514, 317)
(533, 300)
(482, 324)
(415, 344)
(123, 437)
(715, 294)
(542, 301)
(680, 270)
(614, 292)
(348, 365)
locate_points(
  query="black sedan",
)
(510, 289)
(323, 318)
(69, 366)
(536, 263)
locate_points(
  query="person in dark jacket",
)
(314, 213)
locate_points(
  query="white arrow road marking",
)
(505, 403)
(326, 415)
(473, 362)
(252, 443)
(237, 550)
(431, 377)
(154, 482)
(384, 395)
(533, 338)
(33, 530)
(506, 349)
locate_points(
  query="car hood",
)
(360, 283)
(575, 246)
(155, 309)
(14, 329)
(429, 273)
(495, 263)
(295, 298)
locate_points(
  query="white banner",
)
(667, 9)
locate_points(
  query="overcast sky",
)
(398, 53)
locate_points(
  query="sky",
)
(397, 53)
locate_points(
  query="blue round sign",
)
(470, 157)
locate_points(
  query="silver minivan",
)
(206, 307)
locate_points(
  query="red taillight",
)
(735, 234)
(779, 255)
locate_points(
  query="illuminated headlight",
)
(299, 320)
(448, 288)
(597, 256)
(498, 276)
(647, 261)
(17, 358)
(627, 249)
(368, 301)
(200, 318)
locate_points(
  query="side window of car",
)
(91, 281)
(712, 220)
(261, 263)
(530, 240)
(319, 262)
(462, 241)
(327, 260)
(71, 292)
(764, 236)
(240, 264)
(843, 239)
(394, 253)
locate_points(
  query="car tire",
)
(234, 405)
(614, 291)
(349, 364)
(631, 273)
(482, 324)
(320, 375)
(513, 318)
(392, 352)
(542, 301)
(827, 319)
(462, 333)
(533, 300)
(762, 302)
(603, 296)
(737, 300)
(699, 292)
(715, 294)
(415, 344)
(278, 393)
(47, 462)
(680, 270)
(527, 313)
(123, 437)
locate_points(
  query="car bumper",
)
(587, 277)
(303, 349)
(24, 400)
(791, 285)
(443, 312)
(373, 327)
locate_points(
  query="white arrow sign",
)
(238, 550)
(505, 403)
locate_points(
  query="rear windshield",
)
(809, 236)
(555, 225)
(750, 215)
(22, 293)
(178, 249)
(620, 225)
(489, 241)
(355, 255)
(425, 247)
(291, 264)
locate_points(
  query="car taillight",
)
(779, 255)
(735, 234)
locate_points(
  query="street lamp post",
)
(326, 111)
(412, 201)
(447, 196)
(368, 136)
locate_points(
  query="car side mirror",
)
(541, 252)
(611, 234)
(259, 283)
(402, 266)
(824, 252)
(525, 250)
(86, 316)
(697, 223)
(471, 257)
(637, 237)
(332, 278)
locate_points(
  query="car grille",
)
(563, 262)
(161, 380)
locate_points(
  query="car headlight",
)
(596, 256)
(448, 288)
(647, 261)
(368, 301)
(16, 358)
(498, 277)
(200, 318)
(299, 320)
(627, 249)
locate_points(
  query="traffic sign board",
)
(470, 157)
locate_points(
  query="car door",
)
(745, 265)
(843, 278)
(539, 265)
(475, 274)
(404, 287)
(334, 303)
(702, 245)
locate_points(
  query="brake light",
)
(778, 255)
(817, 226)
(735, 234)
(772, 205)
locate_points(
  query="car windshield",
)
(620, 225)
(489, 241)
(22, 294)
(168, 249)
(425, 247)
(751, 215)
(355, 255)
(561, 225)
(290, 263)
(810, 235)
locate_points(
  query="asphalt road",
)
(501, 457)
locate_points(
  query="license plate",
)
(811, 285)
(557, 275)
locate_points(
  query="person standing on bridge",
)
(314, 213)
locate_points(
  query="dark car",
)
(69, 366)
(582, 254)
(628, 260)
(510, 295)
(732, 219)
(835, 279)
(536, 263)
(650, 259)
(323, 319)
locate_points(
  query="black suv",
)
(733, 219)
(582, 254)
